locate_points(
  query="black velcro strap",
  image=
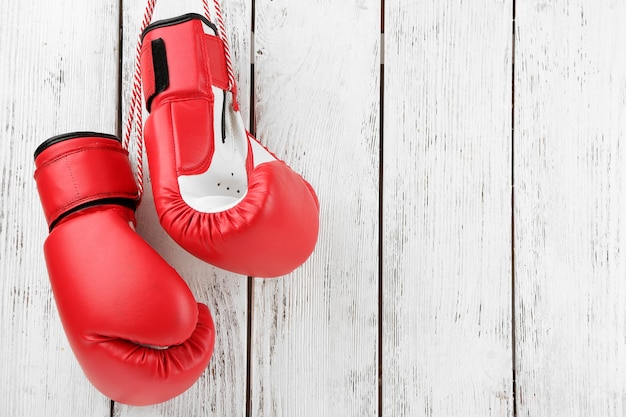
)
(161, 72)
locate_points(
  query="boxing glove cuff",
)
(204, 58)
(67, 172)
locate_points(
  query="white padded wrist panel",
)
(225, 183)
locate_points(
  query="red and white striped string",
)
(134, 121)
(207, 12)
(135, 108)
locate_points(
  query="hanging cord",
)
(229, 65)
(207, 12)
(135, 109)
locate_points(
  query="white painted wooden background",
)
(470, 260)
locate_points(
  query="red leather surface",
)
(79, 170)
(147, 71)
(214, 50)
(117, 298)
(274, 229)
(193, 155)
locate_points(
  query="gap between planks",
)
(251, 281)
(513, 293)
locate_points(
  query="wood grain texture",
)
(314, 336)
(221, 390)
(447, 343)
(59, 74)
(447, 338)
(570, 105)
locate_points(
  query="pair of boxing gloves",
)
(132, 322)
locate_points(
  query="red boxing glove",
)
(131, 320)
(218, 192)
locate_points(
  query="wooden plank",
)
(570, 79)
(447, 280)
(221, 390)
(59, 74)
(314, 336)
